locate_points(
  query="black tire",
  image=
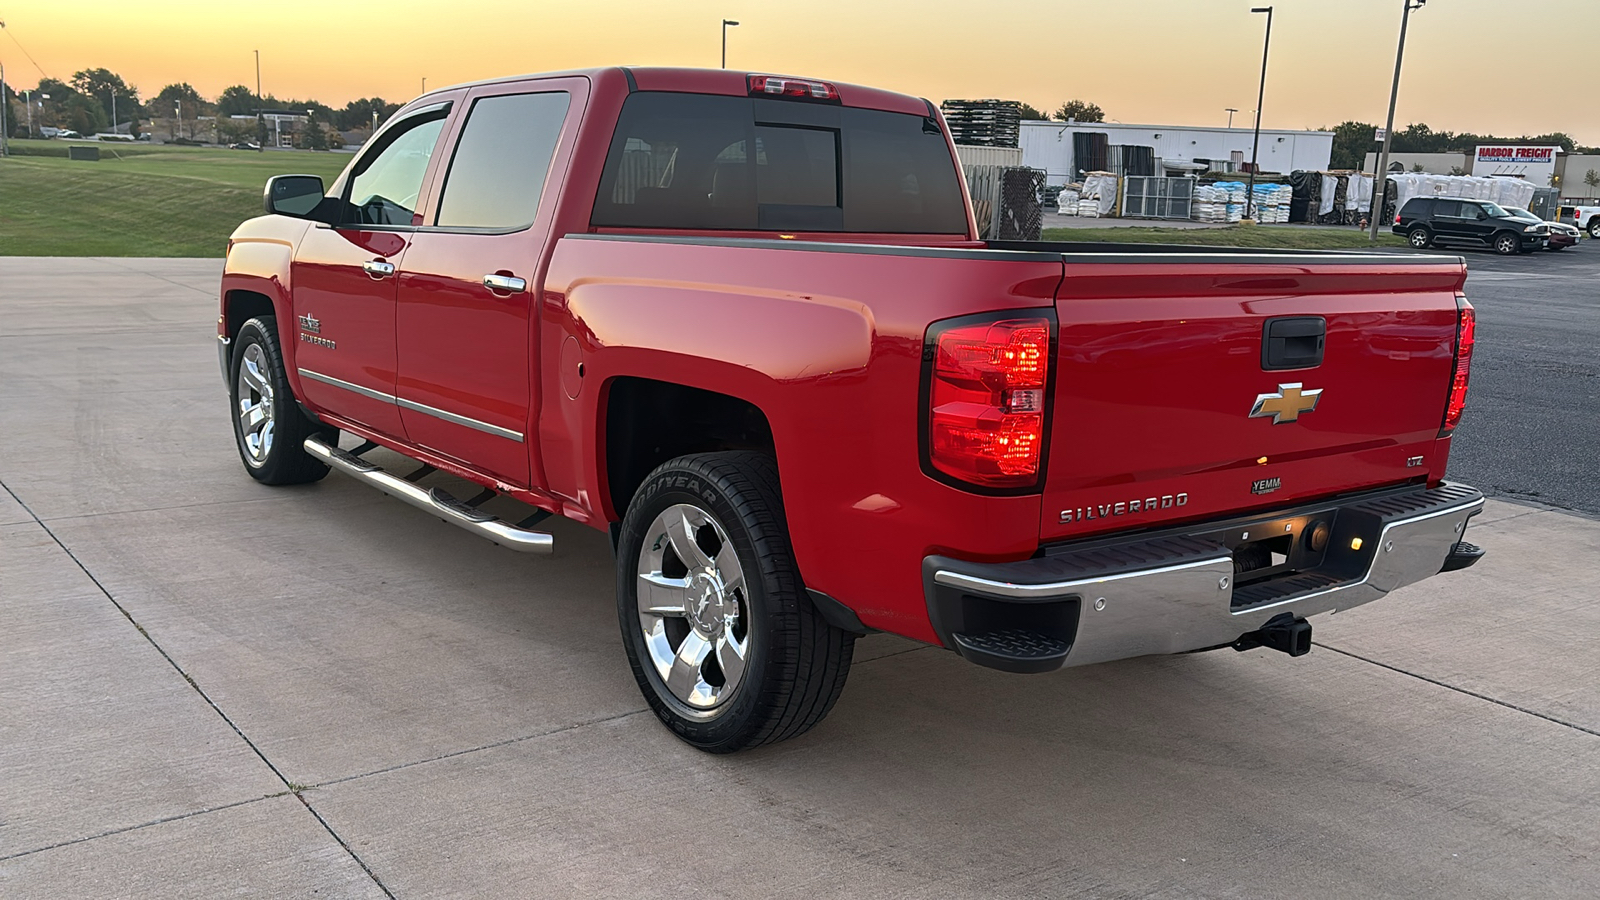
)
(796, 663)
(1594, 227)
(1420, 238)
(282, 459)
(1507, 244)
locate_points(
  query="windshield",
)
(1496, 211)
(1521, 213)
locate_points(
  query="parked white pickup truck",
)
(1585, 217)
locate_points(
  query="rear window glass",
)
(710, 162)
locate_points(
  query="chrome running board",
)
(433, 500)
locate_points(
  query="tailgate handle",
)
(1293, 342)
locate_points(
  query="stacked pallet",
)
(983, 123)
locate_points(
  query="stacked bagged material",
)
(1210, 203)
(1099, 195)
(1358, 198)
(1272, 203)
(1504, 191)
(1067, 202)
(1307, 202)
(983, 123)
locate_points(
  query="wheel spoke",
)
(731, 656)
(662, 596)
(728, 568)
(681, 532)
(251, 371)
(252, 418)
(684, 678)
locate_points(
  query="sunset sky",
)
(1147, 61)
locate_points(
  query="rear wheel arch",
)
(647, 422)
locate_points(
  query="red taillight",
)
(1466, 336)
(779, 86)
(986, 403)
(1397, 217)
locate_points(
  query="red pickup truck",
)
(744, 323)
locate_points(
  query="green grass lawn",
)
(1271, 236)
(137, 200)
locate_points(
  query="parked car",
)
(1586, 218)
(1562, 236)
(1451, 221)
(744, 325)
(244, 145)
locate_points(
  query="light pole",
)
(1255, 145)
(1380, 179)
(1230, 111)
(177, 116)
(113, 109)
(261, 129)
(725, 24)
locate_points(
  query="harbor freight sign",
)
(1536, 164)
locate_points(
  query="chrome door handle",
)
(377, 268)
(509, 284)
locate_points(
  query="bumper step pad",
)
(1015, 650)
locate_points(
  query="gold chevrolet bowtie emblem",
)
(1287, 404)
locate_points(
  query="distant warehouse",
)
(1066, 150)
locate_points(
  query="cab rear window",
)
(703, 162)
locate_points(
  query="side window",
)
(500, 163)
(1448, 209)
(385, 191)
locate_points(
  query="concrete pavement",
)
(209, 687)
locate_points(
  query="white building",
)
(1179, 149)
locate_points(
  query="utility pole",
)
(177, 113)
(113, 110)
(1255, 146)
(261, 130)
(725, 24)
(1381, 178)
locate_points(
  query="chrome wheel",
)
(693, 607)
(253, 394)
(1506, 245)
(1419, 239)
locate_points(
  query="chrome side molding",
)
(433, 500)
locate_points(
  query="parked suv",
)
(1440, 221)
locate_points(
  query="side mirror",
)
(293, 195)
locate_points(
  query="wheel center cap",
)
(706, 607)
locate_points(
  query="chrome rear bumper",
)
(1175, 591)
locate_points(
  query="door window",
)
(500, 163)
(384, 190)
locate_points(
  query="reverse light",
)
(791, 88)
(986, 420)
(1466, 336)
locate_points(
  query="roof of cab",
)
(729, 82)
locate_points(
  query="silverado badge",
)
(1286, 404)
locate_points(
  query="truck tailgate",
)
(1160, 367)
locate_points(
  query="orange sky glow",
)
(1147, 61)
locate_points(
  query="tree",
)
(1351, 141)
(101, 85)
(358, 114)
(1079, 111)
(181, 100)
(237, 100)
(1031, 112)
(313, 136)
(1417, 167)
(1592, 179)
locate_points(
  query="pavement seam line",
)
(490, 746)
(161, 821)
(111, 261)
(1461, 690)
(198, 690)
